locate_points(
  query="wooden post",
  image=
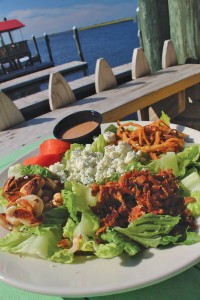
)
(184, 27)
(36, 48)
(48, 46)
(153, 21)
(78, 44)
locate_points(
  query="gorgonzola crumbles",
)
(87, 166)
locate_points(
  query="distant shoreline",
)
(106, 23)
(94, 26)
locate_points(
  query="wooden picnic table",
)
(114, 104)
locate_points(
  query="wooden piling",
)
(36, 49)
(184, 29)
(153, 21)
(78, 44)
(48, 46)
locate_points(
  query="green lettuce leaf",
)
(165, 117)
(3, 203)
(56, 215)
(167, 161)
(38, 242)
(80, 197)
(111, 128)
(72, 148)
(191, 238)
(36, 169)
(151, 230)
(191, 183)
(130, 247)
(99, 144)
(194, 207)
(15, 170)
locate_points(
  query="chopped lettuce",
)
(19, 170)
(167, 161)
(191, 183)
(181, 163)
(122, 242)
(194, 207)
(191, 238)
(15, 170)
(36, 169)
(111, 128)
(40, 242)
(165, 117)
(56, 215)
(99, 144)
(72, 148)
(151, 230)
(3, 203)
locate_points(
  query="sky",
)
(52, 16)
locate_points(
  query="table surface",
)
(183, 286)
(113, 104)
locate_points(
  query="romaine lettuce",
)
(40, 242)
(3, 203)
(151, 230)
(99, 144)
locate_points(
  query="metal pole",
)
(36, 48)
(48, 46)
(9, 33)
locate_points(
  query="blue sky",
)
(52, 16)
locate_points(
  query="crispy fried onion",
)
(155, 138)
(137, 193)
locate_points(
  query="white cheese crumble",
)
(86, 166)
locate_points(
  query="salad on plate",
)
(135, 187)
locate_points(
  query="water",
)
(113, 42)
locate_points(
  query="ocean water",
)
(113, 42)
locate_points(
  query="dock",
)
(42, 75)
(25, 71)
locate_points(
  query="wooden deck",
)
(41, 75)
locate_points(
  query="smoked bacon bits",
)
(138, 193)
(155, 138)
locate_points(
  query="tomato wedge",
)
(52, 146)
(44, 160)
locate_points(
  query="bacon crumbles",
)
(137, 193)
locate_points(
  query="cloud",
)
(53, 20)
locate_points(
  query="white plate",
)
(95, 276)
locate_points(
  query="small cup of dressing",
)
(80, 127)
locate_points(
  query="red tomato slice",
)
(44, 160)
(52, 146)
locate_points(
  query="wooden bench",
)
(41, 75)
(113, 104)
(83, 87)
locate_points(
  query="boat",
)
(16, 58)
